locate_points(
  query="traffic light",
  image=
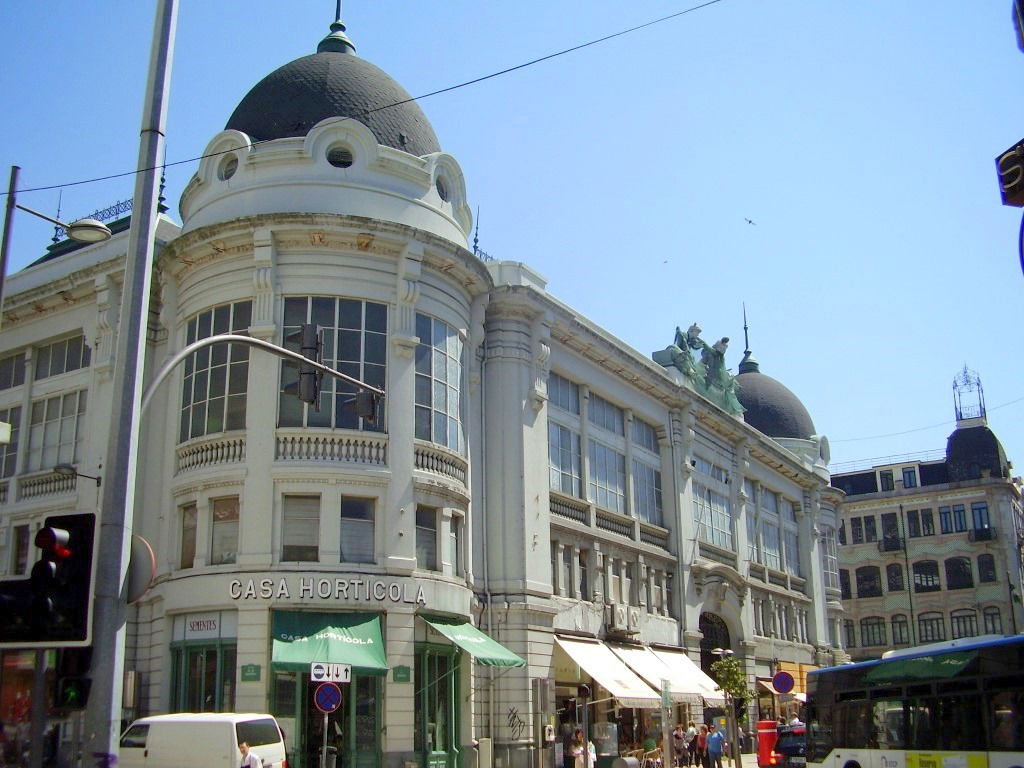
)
(367, 406)
(60, 585)
(73, 683)
(309, 377)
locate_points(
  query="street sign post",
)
(327, 698)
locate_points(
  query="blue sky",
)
(860, 138)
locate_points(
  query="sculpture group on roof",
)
(708, 375)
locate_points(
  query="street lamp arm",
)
(50, 219)
(235, 338)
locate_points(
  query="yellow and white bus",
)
(958, 704)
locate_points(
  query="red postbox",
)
(767, 735)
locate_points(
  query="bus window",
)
(854, 727)
(949, 722)
(1006, 720)
(889, 723)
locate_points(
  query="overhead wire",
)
(917, 429)
(439, 91)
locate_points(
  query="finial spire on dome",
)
(337, 41)
(748, 364)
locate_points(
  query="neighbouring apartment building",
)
(539, 507)
(930, 548)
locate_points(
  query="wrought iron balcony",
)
(981, 534)
(890, 545)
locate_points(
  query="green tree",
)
(730, 675)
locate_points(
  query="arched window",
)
(849, 630)
(716, 635)
(958, 573)
(900, 630)
(872, 631)
(894, 577)
(931, 627)
(926, 576)
(869, 581)
(992, 620)
(986, 568)
(964, 622)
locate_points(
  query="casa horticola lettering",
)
(307, 587)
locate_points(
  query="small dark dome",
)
(334, 82)
(972, 450)
(770, 407)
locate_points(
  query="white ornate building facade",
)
(604, 518)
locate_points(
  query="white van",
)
(208, 739)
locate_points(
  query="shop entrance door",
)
(353, 730)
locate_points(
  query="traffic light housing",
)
(311, 347)
(368, 406)
(53, 607)
(73, 683)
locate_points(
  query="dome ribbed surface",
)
(772, 408)
(294, 98)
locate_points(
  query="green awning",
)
(301, 638)
(942, 666)
(483, 648)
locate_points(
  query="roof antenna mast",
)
(746, 338)
(748, 364)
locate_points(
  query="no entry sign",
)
(327, 697)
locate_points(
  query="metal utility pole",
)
(910, 577)
(103, 717)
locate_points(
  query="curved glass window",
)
(214, 388)
(439, 383)
(354, 337)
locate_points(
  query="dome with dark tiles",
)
(974, 451)
(334, 82)
(770, 407)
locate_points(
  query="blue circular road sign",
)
(327, 697)
(783, 682)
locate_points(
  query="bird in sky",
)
(754, 223)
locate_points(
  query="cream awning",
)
(696, 678)
(647, 664)
(610, 672)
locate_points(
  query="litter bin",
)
(767, 735)
(625, 762)
(332, 757)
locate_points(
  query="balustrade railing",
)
(613, 523)
(346, 448)
(213, 452)
(441, 462)
(45, 484)
(570, 509)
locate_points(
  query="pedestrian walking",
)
(716, 747)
